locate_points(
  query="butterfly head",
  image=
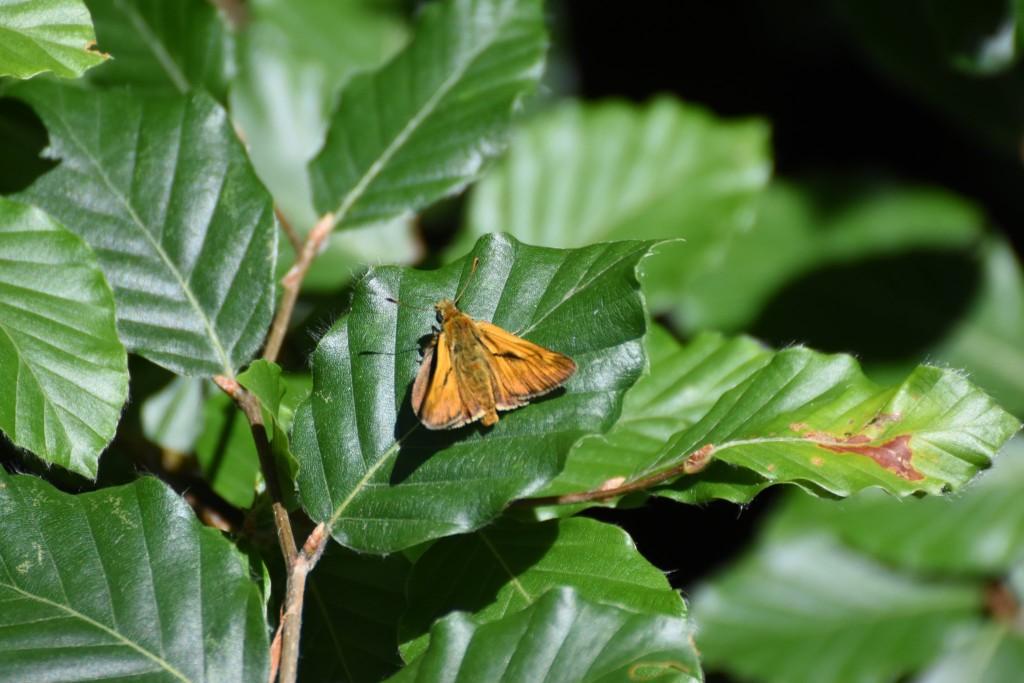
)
(445, 309)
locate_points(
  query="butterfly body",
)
(472, 369)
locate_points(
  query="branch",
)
(289, 230)
(291, 620)
(292, 282)
(250, 405)
(697, 461)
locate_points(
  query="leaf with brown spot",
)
(794, 416)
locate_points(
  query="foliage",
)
(237, 200)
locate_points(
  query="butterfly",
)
(471, 369)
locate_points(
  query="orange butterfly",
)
(472, 369)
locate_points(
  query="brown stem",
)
(697, 461)
(289, 229)
(250, 405)
(292, 282)
(291, 621)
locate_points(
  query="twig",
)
(291, 621)
(693, 464)
(292, 282)
(250, 405)
(288, 228)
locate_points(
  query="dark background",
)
(832, 106)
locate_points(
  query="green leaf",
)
(225, 449)
(172, 417)
(989, 341)
(978, 38)
(123, 583)
(793, 416)
(293, 59)
(561, 637)
(993, 654)
(383, 483)
(46, 35)
(226, 452)
(263, 379)
(181, 44)
(683, 384)
(513, 564)
(807, 227)
(588, 173)
(862, 622)
(62, 367)
(161, 190)
(977, 533)
(816, 420)
(421, 127)
(350, 620)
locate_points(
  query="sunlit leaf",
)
(383, 482)
(46, 35)
(63, 371)
(587, 173)
(422, 126)
(172, 417)
(514, 564)
(561, 637)
(293, 57)
(161, 190)
(123, 583)
(684, 382)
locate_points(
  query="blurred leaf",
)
(160, 188)
(683, 384)
(979, 37)
(172, 417)
(421, 127)
(561, 637)
(812, 226)
(293, 58)
(348, 252)
(47, 35)
(904, 39)
(762, 618)
(381, 482)
(994, 654)
(123, 583)
(977, 532)
(181, 44)
(587, 173)
(350, 620)
(513, 564)
(62, 368)
(989, 342)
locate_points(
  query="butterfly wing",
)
(435, 393)
(522, 369)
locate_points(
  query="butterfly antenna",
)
(402, 303)
(465, 286)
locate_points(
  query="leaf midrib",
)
(156, 47)
(212, 336)
(160, 661)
